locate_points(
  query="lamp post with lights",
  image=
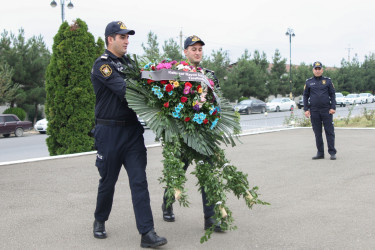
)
(62, 2)
(290, 33)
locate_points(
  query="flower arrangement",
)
(187, 112)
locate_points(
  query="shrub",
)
(20, 113)
(70, 101)
(243, 98)
(345, 93)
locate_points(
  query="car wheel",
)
(42, 132)
(6, 135)
(263, 110)
(249, 111)
(277, 109)
(19, 132)
(344, 105)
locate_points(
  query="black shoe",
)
(99, 230)
(317, 157)
(333, 157)
(211, 221)
(168, 214)
(151, 239)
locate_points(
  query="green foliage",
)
(8, 89)
(278, 82)
(70, 96)
(19, 112)
(345, 93)
(152, 52)
(242, 98)
(29, 59)
(172, 50)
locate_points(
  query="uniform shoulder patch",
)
(104, 56)
(106, 70)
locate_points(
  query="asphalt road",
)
(33, 145)
(319, 204)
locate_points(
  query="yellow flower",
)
(176, 84)
(200, 90)
(171, 81)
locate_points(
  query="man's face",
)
(118, 45)
(194, 53)
(318, 72)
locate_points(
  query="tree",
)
(29, 59)
(70, 96)
(300, 74)
(8, 89)
(278, 81)
(368, 67)
(152, 50)
(172, 50)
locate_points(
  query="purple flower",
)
(196, 107)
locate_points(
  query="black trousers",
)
(117, 146)
(317, 119)
(208, 211)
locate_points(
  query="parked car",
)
(250, 106)
(340, 99)
(366, 97)
(353, 99)
(280, 104)
(300, 103)
(10, 124)
(41, 126)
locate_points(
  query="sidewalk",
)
(319, 204)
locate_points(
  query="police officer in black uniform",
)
(119, 138)
(320, 92)
(193, 49)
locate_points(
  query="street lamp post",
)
(62, 2)
(290, 33)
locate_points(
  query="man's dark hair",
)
(106, 38)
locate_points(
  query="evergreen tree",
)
(368, 67)
(8, 89)
(300, 75)
(172, 50)
(29, 59)
(152, 52)
(278, 82)
(70, 96)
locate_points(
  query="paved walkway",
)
(320, 204)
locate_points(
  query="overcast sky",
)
(327, 30)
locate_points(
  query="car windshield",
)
(276, 100)
(245, 102)
(364, 94)
(350, 96)
(339, 95)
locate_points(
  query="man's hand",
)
(307, 114)
(332, 111)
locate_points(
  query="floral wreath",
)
(183, 106)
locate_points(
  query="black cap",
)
(117, 27)
(317, 65)
(191, 40)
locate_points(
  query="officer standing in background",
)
(193, 49)
(119, 138)
(320, 92)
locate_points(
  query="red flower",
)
(183, 99)
(198, 87)
(184, 63)
(188, 84)
(166, 104)
(169, 88)
(205, 121)
(153, 67)
(163, 82)
(214, 113)
(149, 81)
(187, 119)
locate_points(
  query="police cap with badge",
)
(317, 65)
(117, 27)
(191, 40)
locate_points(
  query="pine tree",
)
(70, 96)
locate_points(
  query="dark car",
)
(250, 106)
(10, 124)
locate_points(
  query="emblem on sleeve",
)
(105, 70)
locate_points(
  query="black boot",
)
(99, 230)
(317, 157)
(168, 214)
(211, 221)
(151, 239)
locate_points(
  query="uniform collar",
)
(318, 78)
(111, 55)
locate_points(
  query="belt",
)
(115, 123)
